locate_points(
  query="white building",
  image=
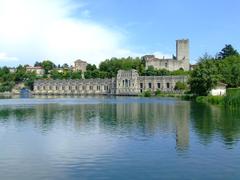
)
(219, 90)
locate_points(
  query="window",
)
(98, 88)
(168, 85)
(141, 85)
(150, 85)
(158, 85)
(91, 88)
(166, 64)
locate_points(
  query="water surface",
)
(117, 138)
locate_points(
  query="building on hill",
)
(180, 62)
(127, 82)
(38, 70)
(80, 65)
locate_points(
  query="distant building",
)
(180, 62)
(12, 70)
(219, 90)
(127, 82)
(80, 65)
(38, 70)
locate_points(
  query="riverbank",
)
(232, 98)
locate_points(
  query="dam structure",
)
(126, 82)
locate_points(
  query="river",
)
(117, 138)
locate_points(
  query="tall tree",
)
(227, 51)
(48, 65)
(204, 77)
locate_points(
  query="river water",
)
(117, 138)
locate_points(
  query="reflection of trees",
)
(20, 114)
(144, 119)
(209, 121)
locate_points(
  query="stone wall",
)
(126, 83)
(181, 62)
(74, 87)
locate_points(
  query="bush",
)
(216, 100)
(147, 94)
(180, 86)
(158, 92)
(233, 91)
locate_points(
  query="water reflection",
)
(85, 138)
(137, 119)
(211, 121)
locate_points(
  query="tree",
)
(227, 51)
(204, 77)
(181, 86)
(48, 65)
(65, 66)
(91, 67)
(230, 69)
(37, 64)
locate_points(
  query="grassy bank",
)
(167, 94)
(232, 98)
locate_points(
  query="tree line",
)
(224, 67)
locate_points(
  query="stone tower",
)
(182, 52)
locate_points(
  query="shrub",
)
(147, 94)
(180, 86)
(158, 92)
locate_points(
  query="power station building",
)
(127, 82)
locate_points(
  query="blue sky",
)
(93, 30)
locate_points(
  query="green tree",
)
(227, 51)
(230, 69)
(204, 77)
(181, 86)
(48, 65)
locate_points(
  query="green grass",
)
(232, 100)
(215, 100)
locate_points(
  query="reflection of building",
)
(80, 65)
(180, 62)
(126, 83)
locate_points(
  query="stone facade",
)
(180, 62)
(80, 65)
(126, 83)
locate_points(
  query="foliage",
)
(112, 66)
(96, 74)
(66, 74)
(233, 91)
(181, 86)
(232, 101)
(147, 93)
(230, 69)
(91, 67)
(227, 51)
(215, 100)
(6, 86)
(47, 66)
(158, 92)
(204, 77)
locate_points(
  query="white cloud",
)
(5, 58)
(35, 30)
